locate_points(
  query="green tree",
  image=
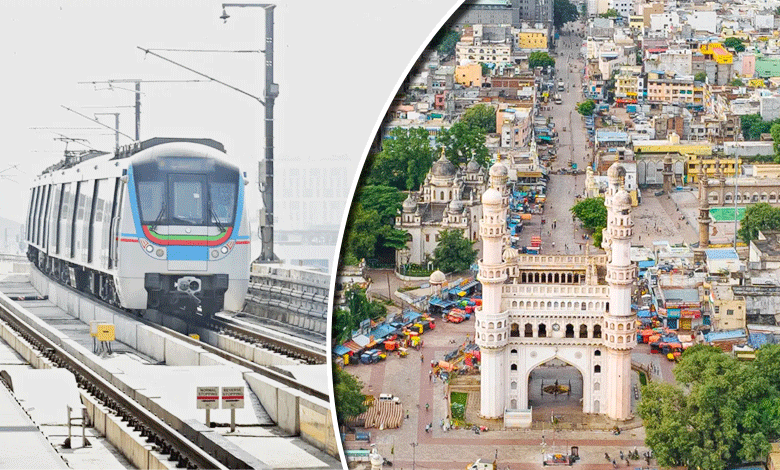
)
(480, 116)
(586, 108)
(485, 69)
(734, 43)
(445, 41)
(736, 82)
(358, 308)
(385, 200)
(774, 131)
(461, 142)
(768, 363)
(611, 13)
(361, 232)
(760, 216)
(454, 253)
(540, 59)
(593, 214)
(722, 413)
(404, 161)
(700, 77)
(753, 125)
(563, 12)
(347, 394)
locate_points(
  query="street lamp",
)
(271, 92)
(414, 453)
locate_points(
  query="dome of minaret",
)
(616, 171)
(622, 198)
(456, 206)
(510, 254)
(491, 197)
(498, 169)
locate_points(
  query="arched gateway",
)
(538, 308)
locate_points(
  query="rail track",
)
(167, 440)
(231, 327)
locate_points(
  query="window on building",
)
(597, 369)
(427, 237)
(729, 312)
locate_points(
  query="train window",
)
(151, 203)
(66, 217)
(41, 218)
(47, 209)
(187, 200)
(78, 203)
(56, 214)
(34, 217)
(223, 202)
(29, 213)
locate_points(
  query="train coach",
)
(161, 224)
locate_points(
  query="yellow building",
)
(636, 22)
(727, 311)
(695, 162)
(672, 146)
(532, 39)
(717, 52)
(469, 75)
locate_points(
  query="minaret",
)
(668, 174)
(491, 323)
(704, 214)
(619, 321)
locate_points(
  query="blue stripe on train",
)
(188, 253)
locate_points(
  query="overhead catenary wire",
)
(97, 122)
(237, 51)
(148, 51)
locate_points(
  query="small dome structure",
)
(443, 168)
(409, 205)
(437, 277)
(510, 254)
(491, 197)
(472, 166)
(456, 206)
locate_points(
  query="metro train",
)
(160, 224)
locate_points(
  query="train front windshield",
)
(186, 191)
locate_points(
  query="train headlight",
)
(149, 248)
(160, 252)
(224, 249)
(214, 253)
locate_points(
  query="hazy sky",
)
(337, 65)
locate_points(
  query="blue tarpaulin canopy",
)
(340, 350)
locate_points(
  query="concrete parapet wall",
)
(296, 412)
(316, 424)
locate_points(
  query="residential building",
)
(514, 125)
(532, 38)
(487, 53)
(469, 74)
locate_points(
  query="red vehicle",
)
(455, 317)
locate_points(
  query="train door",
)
(188, 222)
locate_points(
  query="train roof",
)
(94, 160)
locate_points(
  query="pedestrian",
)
(628, 464)
(614, 464)
(422, 359)
(426, 406)
(622, 456)
(430, 376)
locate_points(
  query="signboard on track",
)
(207, 398)
(232, 397)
